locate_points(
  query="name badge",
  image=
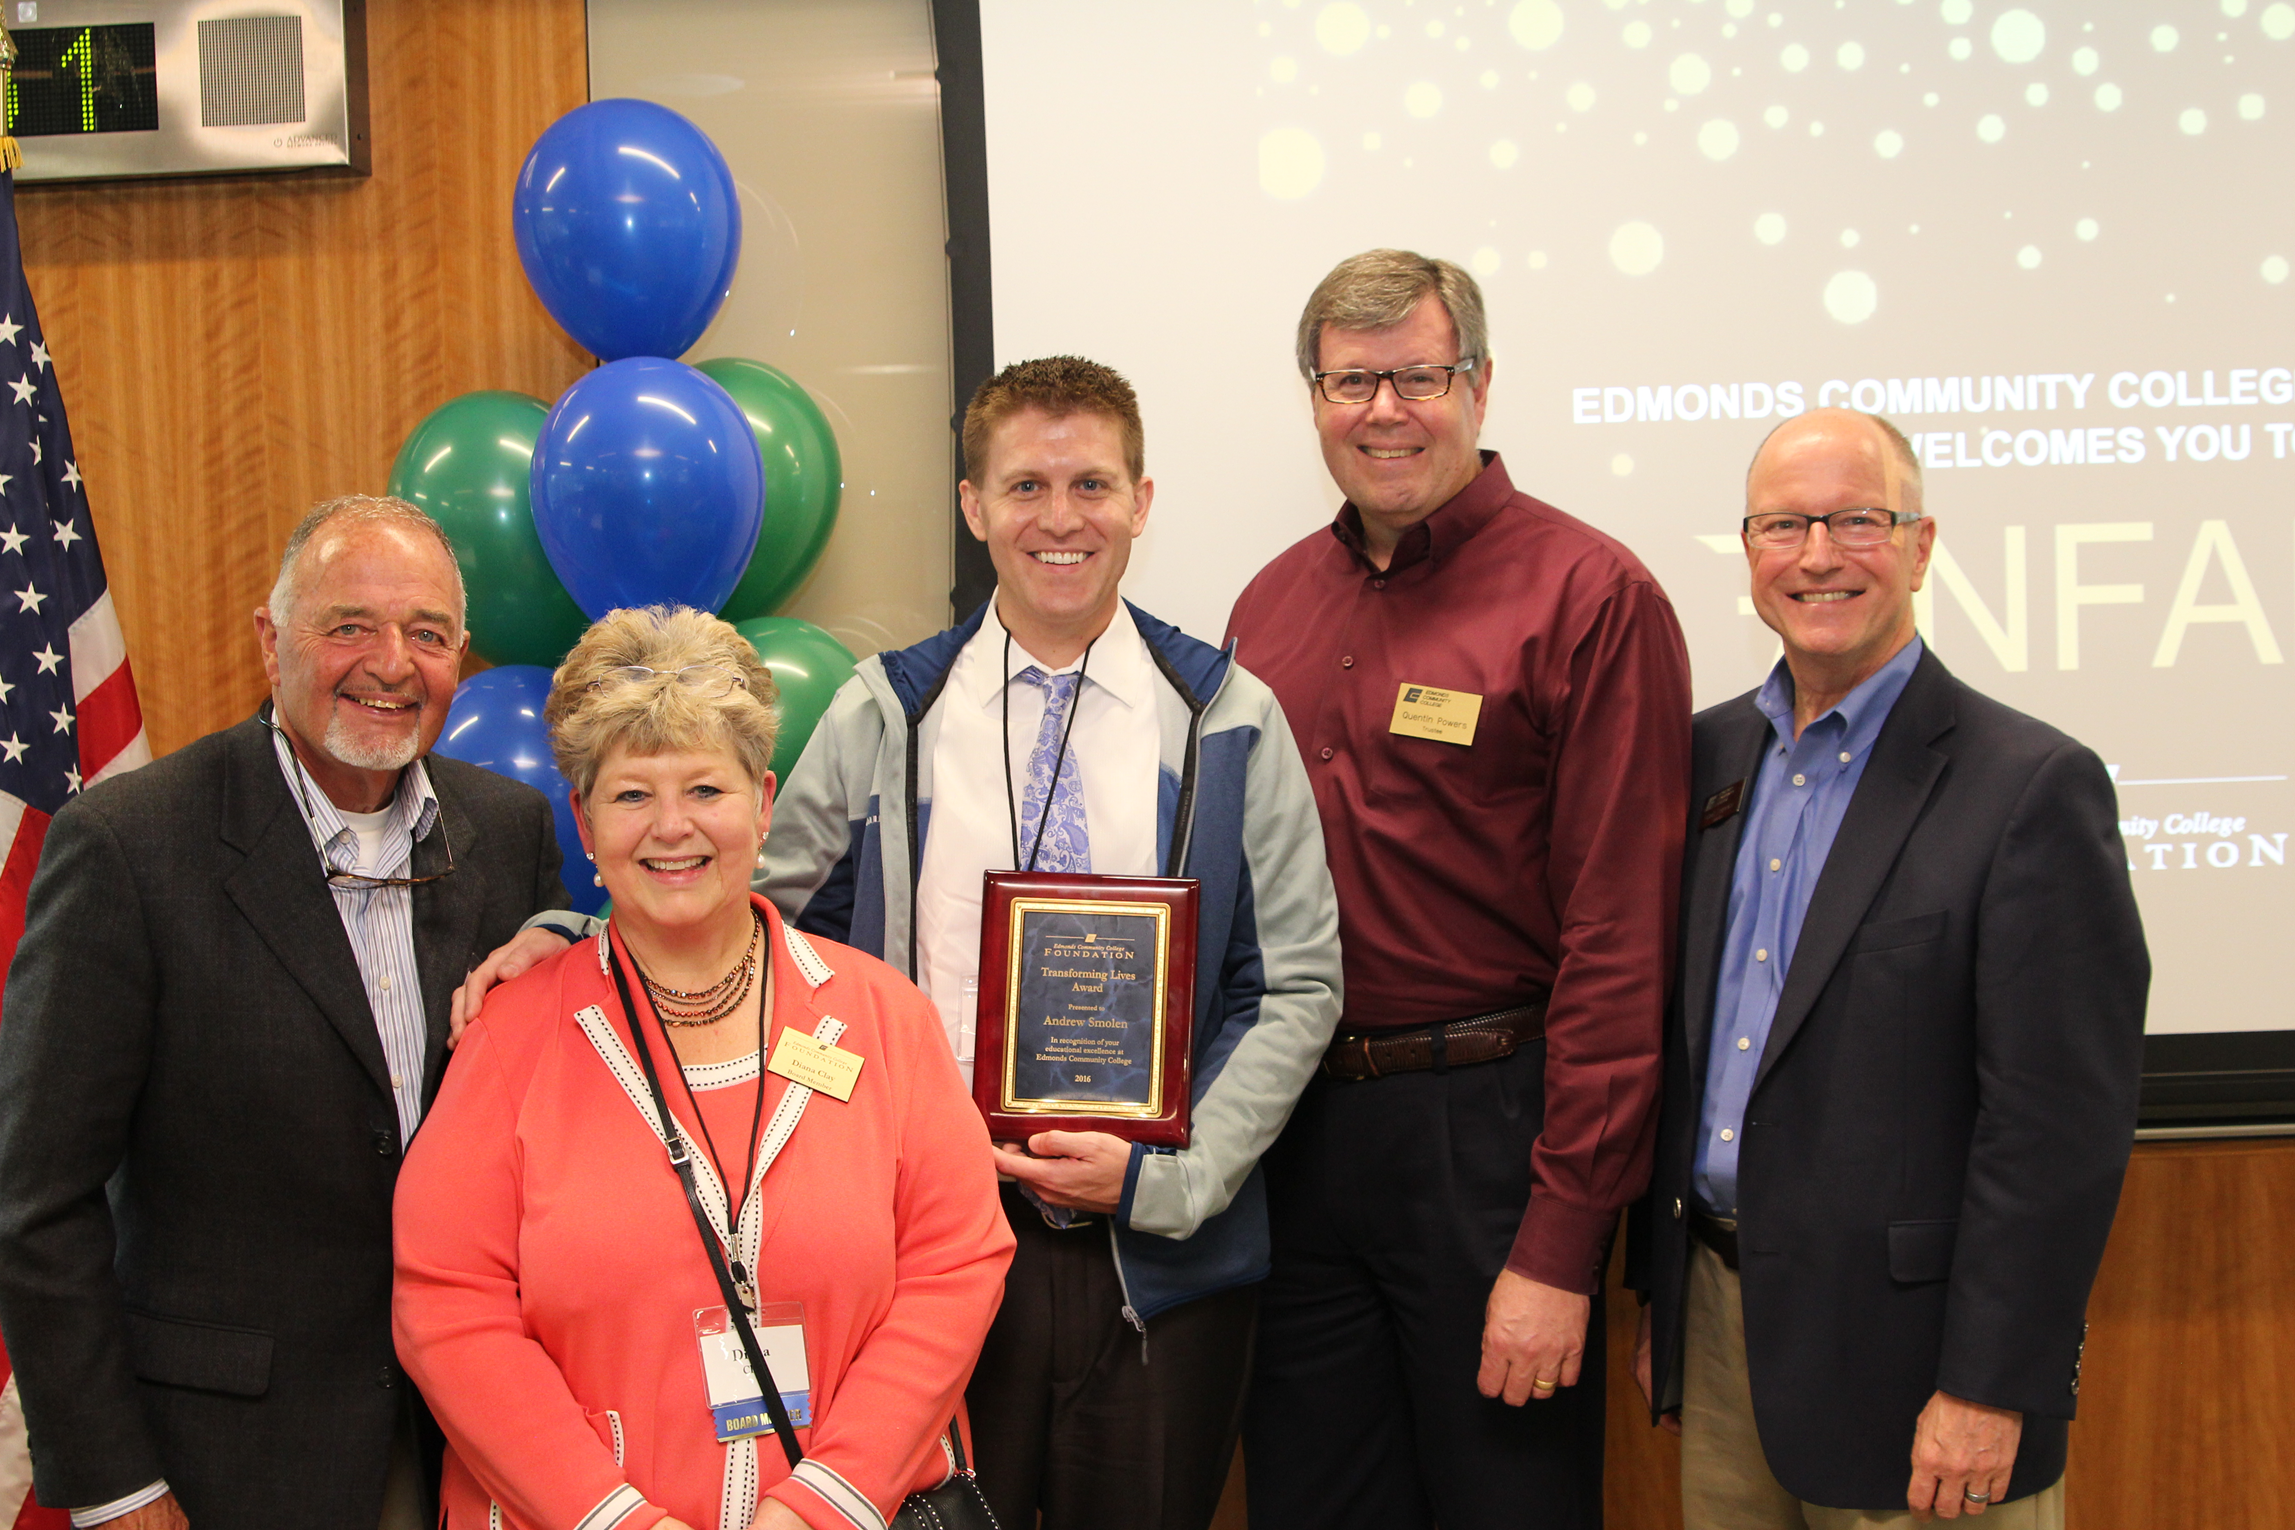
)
(736, 1401)
(1424, 711)
(820, 1065)
(1723, 805)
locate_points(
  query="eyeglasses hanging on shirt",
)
(352, 880)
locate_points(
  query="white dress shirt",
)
(1116, 744)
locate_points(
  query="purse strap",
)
(681, 1159)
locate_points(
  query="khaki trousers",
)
(1725, 1480)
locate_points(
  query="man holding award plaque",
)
(1091, 840)
(1493, 702)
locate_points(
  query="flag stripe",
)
(109, 720)
(98, 648)
(16, 876)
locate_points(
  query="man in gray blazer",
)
(230, 1008)
(1903, 1053)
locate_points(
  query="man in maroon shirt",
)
(1493, 702)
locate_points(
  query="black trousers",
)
(1395, 1202)
(1076, 1418)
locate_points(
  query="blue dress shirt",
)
(1800, 794)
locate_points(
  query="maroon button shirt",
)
(1542, 857)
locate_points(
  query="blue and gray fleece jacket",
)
(1234, 810)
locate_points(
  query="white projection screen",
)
(2051, 241)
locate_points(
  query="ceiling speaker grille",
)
(251, 71)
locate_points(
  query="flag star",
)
(40, 356)
(29, 599)
(63, 717)
(35, 446)
(9, 328)
(12, 540)
(23, 389)
(71, 475)
(49, 659)
(5, 688)
(5, 480)
(73, 776)
(14, 748)
(65, 534)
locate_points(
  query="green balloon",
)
(804, 476)
(808, 665)
(468, 464)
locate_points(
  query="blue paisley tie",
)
(1067, 846)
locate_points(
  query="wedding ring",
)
(1541, 1386)
(1973, 1496)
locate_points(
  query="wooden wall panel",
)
(232, 351)
(2186, 1420)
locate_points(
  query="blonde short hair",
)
(659, 716)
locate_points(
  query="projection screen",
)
(2048, 240)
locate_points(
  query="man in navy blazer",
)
(1902, 1058)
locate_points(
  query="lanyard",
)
(680, 1149)
(1011, 803)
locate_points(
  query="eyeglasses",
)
(1847, 528)
(352, 879)
(707, 679)
(1415, 384)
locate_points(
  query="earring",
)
(597, 878)
(768, 834)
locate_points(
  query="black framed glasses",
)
(706, 679)
(352, 879)
(1854, 527)
(1415, 384)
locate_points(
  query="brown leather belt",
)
(1717, 1235)
(1455, 1044)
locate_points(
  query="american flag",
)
(67, 701)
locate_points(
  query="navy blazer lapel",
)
(1744, 737)
(280, 891)
(446, 915)
(1895, 787)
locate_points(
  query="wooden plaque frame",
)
(1008, 902)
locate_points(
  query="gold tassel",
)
(11, 157)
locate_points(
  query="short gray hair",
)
(355, 510)
(657, 716)
(1907, 458)
(1378, 289)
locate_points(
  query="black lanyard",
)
(1011, 803)
(735, 1203)
(736, 1299)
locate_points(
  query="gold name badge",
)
(820, 1065)
(1447, 717)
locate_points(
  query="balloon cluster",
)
(649, 481)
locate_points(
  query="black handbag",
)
(958, 1503)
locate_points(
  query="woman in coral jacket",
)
(554, 1296)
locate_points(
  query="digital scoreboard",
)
(83, 80)
(117, 89)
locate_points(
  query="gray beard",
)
(363, 754)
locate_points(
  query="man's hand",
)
(162, 1513)
(1083, 1171)
(1959, 1447)
(1531, 1334)
(526, 949)
(1669, 1422)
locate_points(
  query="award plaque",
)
(1087, 1005)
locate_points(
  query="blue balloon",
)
(647, 488)
(629, 227)
(496, 722)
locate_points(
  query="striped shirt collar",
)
(413, 810)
